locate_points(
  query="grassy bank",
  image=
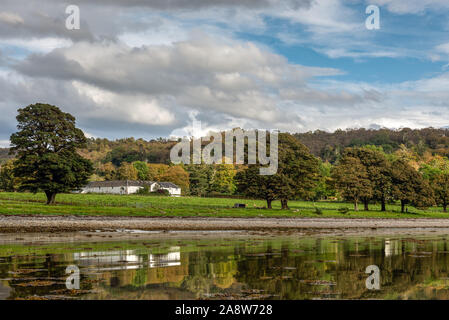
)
(132, 205)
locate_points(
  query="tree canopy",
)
(378, 171)
(46, 148)
(296, 177)
(352, 179)
(409, 186)
(440, 186)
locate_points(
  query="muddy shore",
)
(24, 224)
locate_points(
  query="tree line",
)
(328, 146)
(50, 156)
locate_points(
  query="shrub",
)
(343, 210)
(318, 211)
(145, 191)
(161, 192)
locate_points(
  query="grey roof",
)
(167, 185)
(129, 183)
(119, 183)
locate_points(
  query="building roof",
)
(168, 185)
(129, 183)
(119, 183)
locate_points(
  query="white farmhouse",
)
(129, 187)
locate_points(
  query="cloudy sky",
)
(148, 68)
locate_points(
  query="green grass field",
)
(133, 205)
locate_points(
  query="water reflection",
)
(126, 260)
(392, 247)
(171, 259)
(266, 267)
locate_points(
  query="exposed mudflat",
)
(26, 223)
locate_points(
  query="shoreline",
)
(35, 223)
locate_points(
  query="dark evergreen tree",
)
(46, 146)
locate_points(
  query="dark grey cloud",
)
(22, 20)
(54, 65)
(106, 19)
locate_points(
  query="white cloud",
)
(125, 108)
(4, 144)
(348, 53)
(325, 17)
(143, 66)
(232, 78)
(226, 83)
(411, 6)
(443, 48)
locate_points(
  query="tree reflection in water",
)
(266, 267)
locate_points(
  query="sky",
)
(151, 68)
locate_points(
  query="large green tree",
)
(298, 170)
(45, 146)
(409, 186)
(223, 179)
(324, 188)
(142, 170)
(352, 180)
(440, 186)
(378, 170)
(296, 177)
(200, 178)
(254, 185)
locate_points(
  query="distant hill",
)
(325, 145)
(328, 146)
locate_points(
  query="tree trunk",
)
(284, 204)
(445, 207)
(365, 204)
(356, 206)
(382, 203)
(269, 203)
(402, 206)
(51, 196)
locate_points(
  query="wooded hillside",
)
(328, 146)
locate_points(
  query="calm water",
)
(261, 267)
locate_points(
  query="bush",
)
(161, 192)
(318, 211)
(145, 191)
